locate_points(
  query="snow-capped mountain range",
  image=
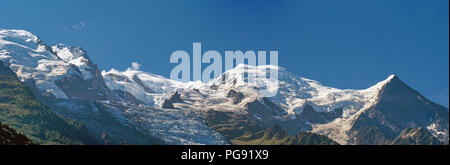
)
(174, 111)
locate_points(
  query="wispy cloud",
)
(80, 25)
(134, 67)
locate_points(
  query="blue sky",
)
(344, 44)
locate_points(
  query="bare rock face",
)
(260, 110)
(128, 97)
(235, 96)
(311, 115)
(175, 98)
(87, 89)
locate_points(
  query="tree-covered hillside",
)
(9, 136)
(19, 109)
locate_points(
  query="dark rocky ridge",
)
(9, 136)
(415, 136)
(128, 97)
(175, 98)
(235, 96)
(140, 83)
(397, 108)
(311, 115)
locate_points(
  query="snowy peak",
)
(30, 59)
(149, 88)
(391, 77)
(58, 71)
(19, 36)
(240, 75)
(78, 57)
(393, 80)
(395, 88)
(67, 53)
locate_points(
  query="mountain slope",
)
(416, 136)
(50, 70)
(397, 108)
(20, 110)
(9, 136)
(277, 136)
(244, 130)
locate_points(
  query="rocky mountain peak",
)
(175, 98)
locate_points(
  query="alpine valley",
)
(57, 95)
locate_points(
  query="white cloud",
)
(135, 66)
(80, 25)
